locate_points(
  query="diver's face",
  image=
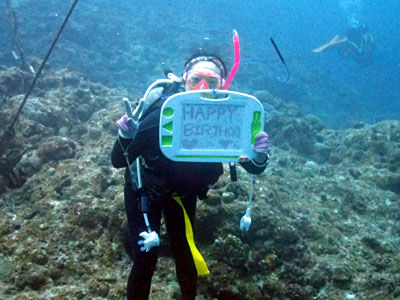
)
(203, 75)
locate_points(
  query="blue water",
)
(299, 26)
(169, 31)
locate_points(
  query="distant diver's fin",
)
(333, 42)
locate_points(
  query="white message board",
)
(210, 126)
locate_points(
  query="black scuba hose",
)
(8, 132)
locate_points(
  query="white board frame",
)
(227, 123)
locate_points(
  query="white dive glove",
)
(150, 240)
(245, 221)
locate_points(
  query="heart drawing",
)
(189, 144)
(224, 143)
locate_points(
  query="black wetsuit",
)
(161, 178)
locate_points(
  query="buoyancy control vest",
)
(163, 174)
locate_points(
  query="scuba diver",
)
(358, 44)
(170, 187)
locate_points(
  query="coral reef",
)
(325, 221)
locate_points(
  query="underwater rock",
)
(374, 244)
(207, 216)
(5, 267)
(101, 180)
(62, 183)
(70, 79)
(334, 159)
(270, 103)
(231, 250)
(294, 131)
(53, 149)
(322, 190)
(387, 181)
(272, 286)
(3, 187)
(94, 133)
(392, 183)
(239, 189)
(13, 82)
(39, 111)
(213, 198)
(355, 173)
(396, 292)
(316, 124)
(295, 292)
(30, 163)
(92, 217)
(286, 236)
(394, 160)
(39, 257)
(342, 276)
(319, 276)
(320, 152)
(310, 168)
(36, 280)
(227, 197)
(99, 289)
(56, 148)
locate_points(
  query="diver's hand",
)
(127, 127)
(150, 240)
(138, 110)
(261, 147)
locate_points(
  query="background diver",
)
(358, 44)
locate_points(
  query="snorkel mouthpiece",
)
(236, 63)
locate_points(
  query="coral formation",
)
(325, 222)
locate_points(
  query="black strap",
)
(232, 171)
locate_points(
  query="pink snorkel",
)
(236, 62)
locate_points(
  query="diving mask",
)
(199, 80)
